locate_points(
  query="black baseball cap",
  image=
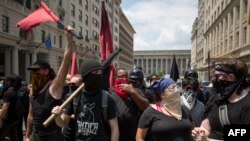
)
(39, 65)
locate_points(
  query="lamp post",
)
(208, 64)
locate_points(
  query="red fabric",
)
(74, 69)
(120, 92)
(106, 42)
(41, 15)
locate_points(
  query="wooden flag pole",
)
(65, 103)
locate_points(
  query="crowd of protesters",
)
(134, 109)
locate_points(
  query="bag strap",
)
(105, 105)
(223, 115)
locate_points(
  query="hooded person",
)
(162, 120)
(87, 108)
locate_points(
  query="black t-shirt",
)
(238, 113)
(165, 128)
(11, 97)
(128, 116)
(90, 124)
(42, 105)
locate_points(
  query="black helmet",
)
(136, 74)
(191, 73)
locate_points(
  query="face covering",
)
(171, 102)
(188, 99)
(38, 81)
(92, 82)
(120, 92)
(228, 88)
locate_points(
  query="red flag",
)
(106, 42)
(41, 15)
(74, 69)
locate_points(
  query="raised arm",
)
(56, 87)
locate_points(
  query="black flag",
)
(174, 74)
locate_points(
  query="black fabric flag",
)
(174, 74)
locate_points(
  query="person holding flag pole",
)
(47, 87)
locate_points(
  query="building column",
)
(146, 69)
(234, 24)
(33, 57)
(181, 68)
(15, 64)
(152, 71)
(27, 64)
(162, 69)
(7, 63)
(156, 68)
(241, 14)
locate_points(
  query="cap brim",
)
(34, 67)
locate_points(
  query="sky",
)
(161, 24)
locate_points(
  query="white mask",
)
(188, 99)
(171, 101)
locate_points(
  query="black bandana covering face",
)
(92, 82)
(38, 81)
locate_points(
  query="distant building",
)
(155, 61)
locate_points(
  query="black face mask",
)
(228, 89)
(92, 82)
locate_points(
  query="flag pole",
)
(61, 24)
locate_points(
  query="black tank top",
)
(42, 105)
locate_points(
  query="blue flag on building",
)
(48, 42)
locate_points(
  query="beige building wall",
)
(225, 33)
(154, 61)
(127, 32)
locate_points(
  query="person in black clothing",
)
(89, 120)
(231, 77)
(23, 94)
(46, 92)
(202, 97)
(131, 102)
(136, 78)
(8, 115)
(69, 130)
(166, 120)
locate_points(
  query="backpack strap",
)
(75, 103)
(223, 115)
(105, 105)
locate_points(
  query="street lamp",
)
(208, 64)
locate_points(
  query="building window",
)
(95, 10)
(95, 35)
(5, 24)
(73, 10)
(237, 40)
(73, 24)
(80, 32)
(60, 2)
(95, 22)
(43, 36)
(60, 41)
(80, 2)
(86, 19)
(54, 39)
(80, 15)
(86, 4)
(245, 35)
